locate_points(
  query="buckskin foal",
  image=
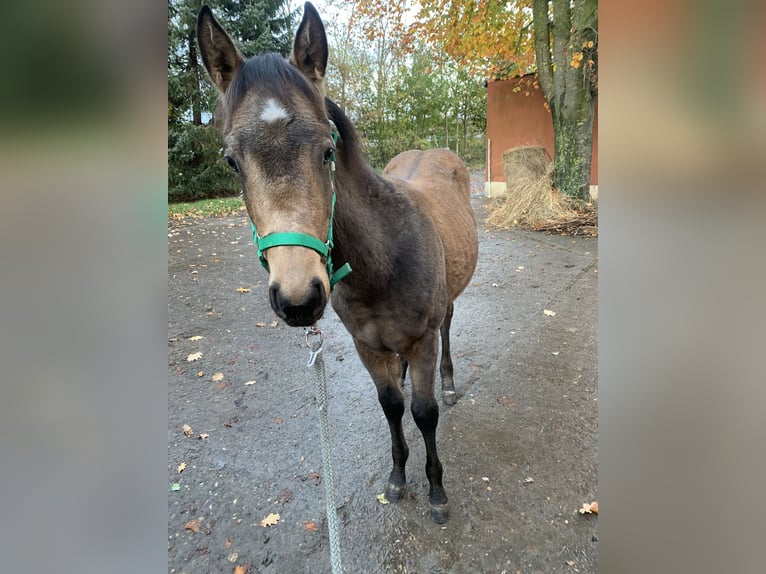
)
(409, 235)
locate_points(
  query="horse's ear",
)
(221, 57)
(309, 53)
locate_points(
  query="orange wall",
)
(518, 119)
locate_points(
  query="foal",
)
(409, 236)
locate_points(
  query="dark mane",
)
(270, 72)
(350, 145)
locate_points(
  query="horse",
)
(407, 236)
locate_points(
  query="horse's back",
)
(438, 182)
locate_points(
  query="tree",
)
(558, 37)
(566, 40)
(193, 145)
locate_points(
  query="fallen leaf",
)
(187, 430)
(278, 420)
(506, 402)
(260, 324)
(555, 353)
(485, 478)
(310, 526)
(217, 377)
(570, 562)
(248, 383)
(240, 569)
(195, 338)
(203, 436)
(285, 495)
(233, 557)
(200, 373)
(529, 480)
(181, 467)
(175, 486)
(193, 525)
(227, 544)
(549, 312)
(194, 356)
(227, 425)
(222, 385)
(591, 508)
(275, 323)
(312, 476)
(270, 520)
(243, 290)
(382, 498)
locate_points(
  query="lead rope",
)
(320, 390)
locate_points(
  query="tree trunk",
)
(196, 104)
(566, 67)
(573, 151)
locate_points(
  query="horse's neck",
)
(363, 227)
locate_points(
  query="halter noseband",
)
(280, 238)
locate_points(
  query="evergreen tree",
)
(257, 26)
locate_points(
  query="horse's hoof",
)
(449, 398)
(394, 493)
(439, 513)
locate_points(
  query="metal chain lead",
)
(320, 390)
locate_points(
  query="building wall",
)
(517, 119)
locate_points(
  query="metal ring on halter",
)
(314, 331)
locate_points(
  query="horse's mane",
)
(349, 137)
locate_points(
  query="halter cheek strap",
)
(281, 238)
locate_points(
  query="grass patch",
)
(217, 207)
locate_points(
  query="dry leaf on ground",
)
(194, 356)
(549, 312)
(270, 520)
(227, 544)
(260, 324)
(187, 430)
(591, 508)
(310, 526)
(195, 338)
(275, 323)
(233, 556)
(248, 383)
(217, 377)
(285, 496)
(382, 498)
(312, 476)
(181, 467)
(193, 525)
(243, 290)
(240, 569)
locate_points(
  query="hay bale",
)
(530, 200)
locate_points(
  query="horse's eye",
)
(232, 163)
(328, 154)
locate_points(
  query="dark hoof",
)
(439, 513)
(395, 493)
(449, 398)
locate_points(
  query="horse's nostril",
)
(304, 313)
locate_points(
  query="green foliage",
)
(194, 169)
(411, 102)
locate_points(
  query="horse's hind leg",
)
(384, 368)
(403, 366)
(425, 411)
(449, 396)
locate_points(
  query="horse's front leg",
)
(425, 411)
(385, 369)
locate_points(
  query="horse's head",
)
(278, 137)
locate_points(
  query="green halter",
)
(304, 240)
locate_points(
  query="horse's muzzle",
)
(299, 314)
